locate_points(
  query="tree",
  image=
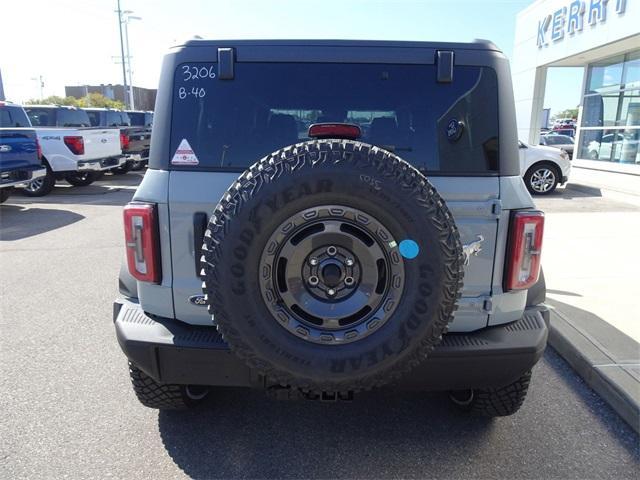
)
(91, 100)
(53, 100)
(568, 113)
(99, 100)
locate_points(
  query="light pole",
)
(124, 69)
(40, 81)
(128, 53)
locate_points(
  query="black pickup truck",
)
(141, 119)
(20, 155)
(135, 140)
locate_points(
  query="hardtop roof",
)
(478, 44)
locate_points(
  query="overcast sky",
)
(74, 42)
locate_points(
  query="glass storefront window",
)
(629, 108)
(605, 74)
(610, 125)
(610, 145)
(600, 110)
(632, 70)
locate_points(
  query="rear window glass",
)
(13, 117)
(233, 123)
(137, 118)
(42, 117)
(118, 119)
(94, 117)
(68, 117)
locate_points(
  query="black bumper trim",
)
(171, 351)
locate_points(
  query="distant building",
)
(602, 38)
(143, 98)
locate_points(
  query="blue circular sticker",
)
(409, 249)
(454, 129)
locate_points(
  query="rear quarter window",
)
(438, 127)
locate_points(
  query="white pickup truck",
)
(72, 150)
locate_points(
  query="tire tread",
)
(308, 155)
(155, 395)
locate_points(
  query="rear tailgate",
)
(100, 143)
(18, 149)
(472, 201)
(139, 140)
(447, 128)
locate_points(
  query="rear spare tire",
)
(332, 266)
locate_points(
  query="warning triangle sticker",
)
(184, 155)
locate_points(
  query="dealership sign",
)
(570, 19)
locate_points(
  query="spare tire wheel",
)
(332, 265)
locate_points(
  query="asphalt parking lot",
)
(68, 410)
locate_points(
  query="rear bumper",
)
(20, 177)
(171, 351)
(138, 157)
(102, 164)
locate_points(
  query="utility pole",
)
(124, 68)
(128, 53)
(40, 81)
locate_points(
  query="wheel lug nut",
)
(331, 292)
(349, 262)
(331, 251)
(348, 281)
(313, 280)
(313, 261)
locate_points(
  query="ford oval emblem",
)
(198, 300)
(103, 140)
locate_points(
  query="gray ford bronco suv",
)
(321, 218)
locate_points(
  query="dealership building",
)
(603, 38)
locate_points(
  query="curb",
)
(633, 174)
(615, 382)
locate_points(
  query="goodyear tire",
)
(164, 396)
(494, 402)
(332, 266)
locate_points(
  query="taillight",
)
(335, 130)
(124, 141)
(524, 249)
(141, 240)
(75, 144)
(38, 149)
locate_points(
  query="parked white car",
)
(558, 141)
(543, 168)
(72, 150)
(612, 146)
